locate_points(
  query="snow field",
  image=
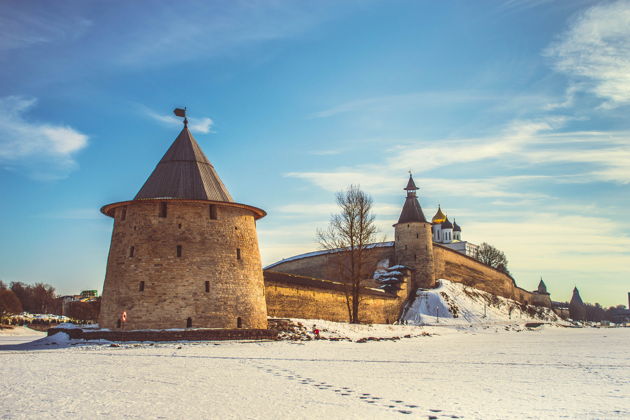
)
(481, 372)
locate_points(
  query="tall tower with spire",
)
(183, 254)
(414, 241)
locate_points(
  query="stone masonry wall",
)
(286, 300)
(175, 287)
(451, 265)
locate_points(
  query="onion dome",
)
(439, 216)
(446, 224)
(456, 227)
(411, 212)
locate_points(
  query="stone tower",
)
(413, 240)
(183, 253)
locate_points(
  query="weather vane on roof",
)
(179, 112)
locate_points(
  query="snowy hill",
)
(456, 304)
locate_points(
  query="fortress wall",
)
(175, 287)
(451, 265)
(313, 300)
(324, 266)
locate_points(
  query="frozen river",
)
(479, 373)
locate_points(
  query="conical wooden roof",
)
(185, 173)
(411, 211)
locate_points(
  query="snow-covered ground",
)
(483, 371)
(456, 304)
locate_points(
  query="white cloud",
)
(46, 150)
(198, 125)
(595, 50)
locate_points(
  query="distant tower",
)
(542, 288)
(183, 253)
(577, 310)
(541, 296)
(413, 243)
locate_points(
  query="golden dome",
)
(439, 216)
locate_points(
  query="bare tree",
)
(9, 303)
(350, 231)
(491, 256)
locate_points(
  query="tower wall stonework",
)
(174, 287)
(414, 249)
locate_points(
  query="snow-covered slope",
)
(456, 304)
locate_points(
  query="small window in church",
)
(123, 213)
(238, 253)
(163, 209)
(207, 286)
(189, 322)
(239, 322)
(141, 286)
(132, 251)
(213, 212)
(179, 251)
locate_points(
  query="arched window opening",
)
(213, 212)
(132, 251)
(207, 286)
(163, 210)
(238, 253)
(239, 322)
(123, 213)
(141, 286)
(189, 322)
(179, 251)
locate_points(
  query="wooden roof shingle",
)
(184, 172)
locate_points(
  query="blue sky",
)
(512, 115)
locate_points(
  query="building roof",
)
(184, 173)
(542, 288)
(411, 186)
(446, 224)
(456, 227)
(576, 299)
(439, 216)
(411, 211)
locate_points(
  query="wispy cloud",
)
(197, 125)
(595, 50)
(45, 150)
(429, 98)
(22, 28)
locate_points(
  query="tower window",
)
(189, 322)
(239, 322)
(163, 209)
(207, 286)
(213, 212)
(141, 286)
(417, 236)
(238, 253)
(405, 246)
(123, 213)
(132, 251)
(179, 251)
